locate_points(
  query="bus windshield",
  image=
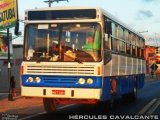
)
(63, 42)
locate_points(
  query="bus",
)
(80, 55)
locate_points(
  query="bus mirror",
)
(108, 27)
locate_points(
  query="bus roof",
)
(104, 12)
(63, 8)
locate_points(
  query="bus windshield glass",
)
(63, 42)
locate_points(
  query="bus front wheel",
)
(49, 105)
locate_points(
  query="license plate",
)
(58, 92)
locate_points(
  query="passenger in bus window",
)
(31, 52)
(55, 52)
(89, 39)
(55, 48)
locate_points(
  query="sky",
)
(141, 15)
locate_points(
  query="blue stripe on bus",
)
(124, 85)
(62, 81)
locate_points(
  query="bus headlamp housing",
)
(37, 79)
(81, 81)
(89, 81)
(30, 79)
(61, 81)
(33, 80)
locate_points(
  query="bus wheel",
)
(134, 93)
(49, 105)
(107, 105)
(130, 97)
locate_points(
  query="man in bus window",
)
(55, 52)
(89, 41)
(55, 48)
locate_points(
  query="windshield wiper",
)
(79, 61)
(40, 59)
(73, 58)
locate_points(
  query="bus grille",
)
(59, 80)
(57, 69)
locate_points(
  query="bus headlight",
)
(37, 79)
(30, 79)
(90, 81)
(81, 81)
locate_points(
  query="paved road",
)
(148, 102)
(148, 97)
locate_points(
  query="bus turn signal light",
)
(22, 70)
(99, 71)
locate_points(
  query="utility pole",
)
(51, 1)
(156, 40)
(10, 97)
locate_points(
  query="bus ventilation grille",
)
(56, 69)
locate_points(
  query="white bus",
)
(80, 55)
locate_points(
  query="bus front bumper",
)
(48, 92)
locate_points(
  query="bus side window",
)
(108, 27)
(107, 51)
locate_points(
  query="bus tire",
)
(130, 97)
(107, 105)
(133, 95)
(49, 105)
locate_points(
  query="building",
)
(150, 52)
(15, 69)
